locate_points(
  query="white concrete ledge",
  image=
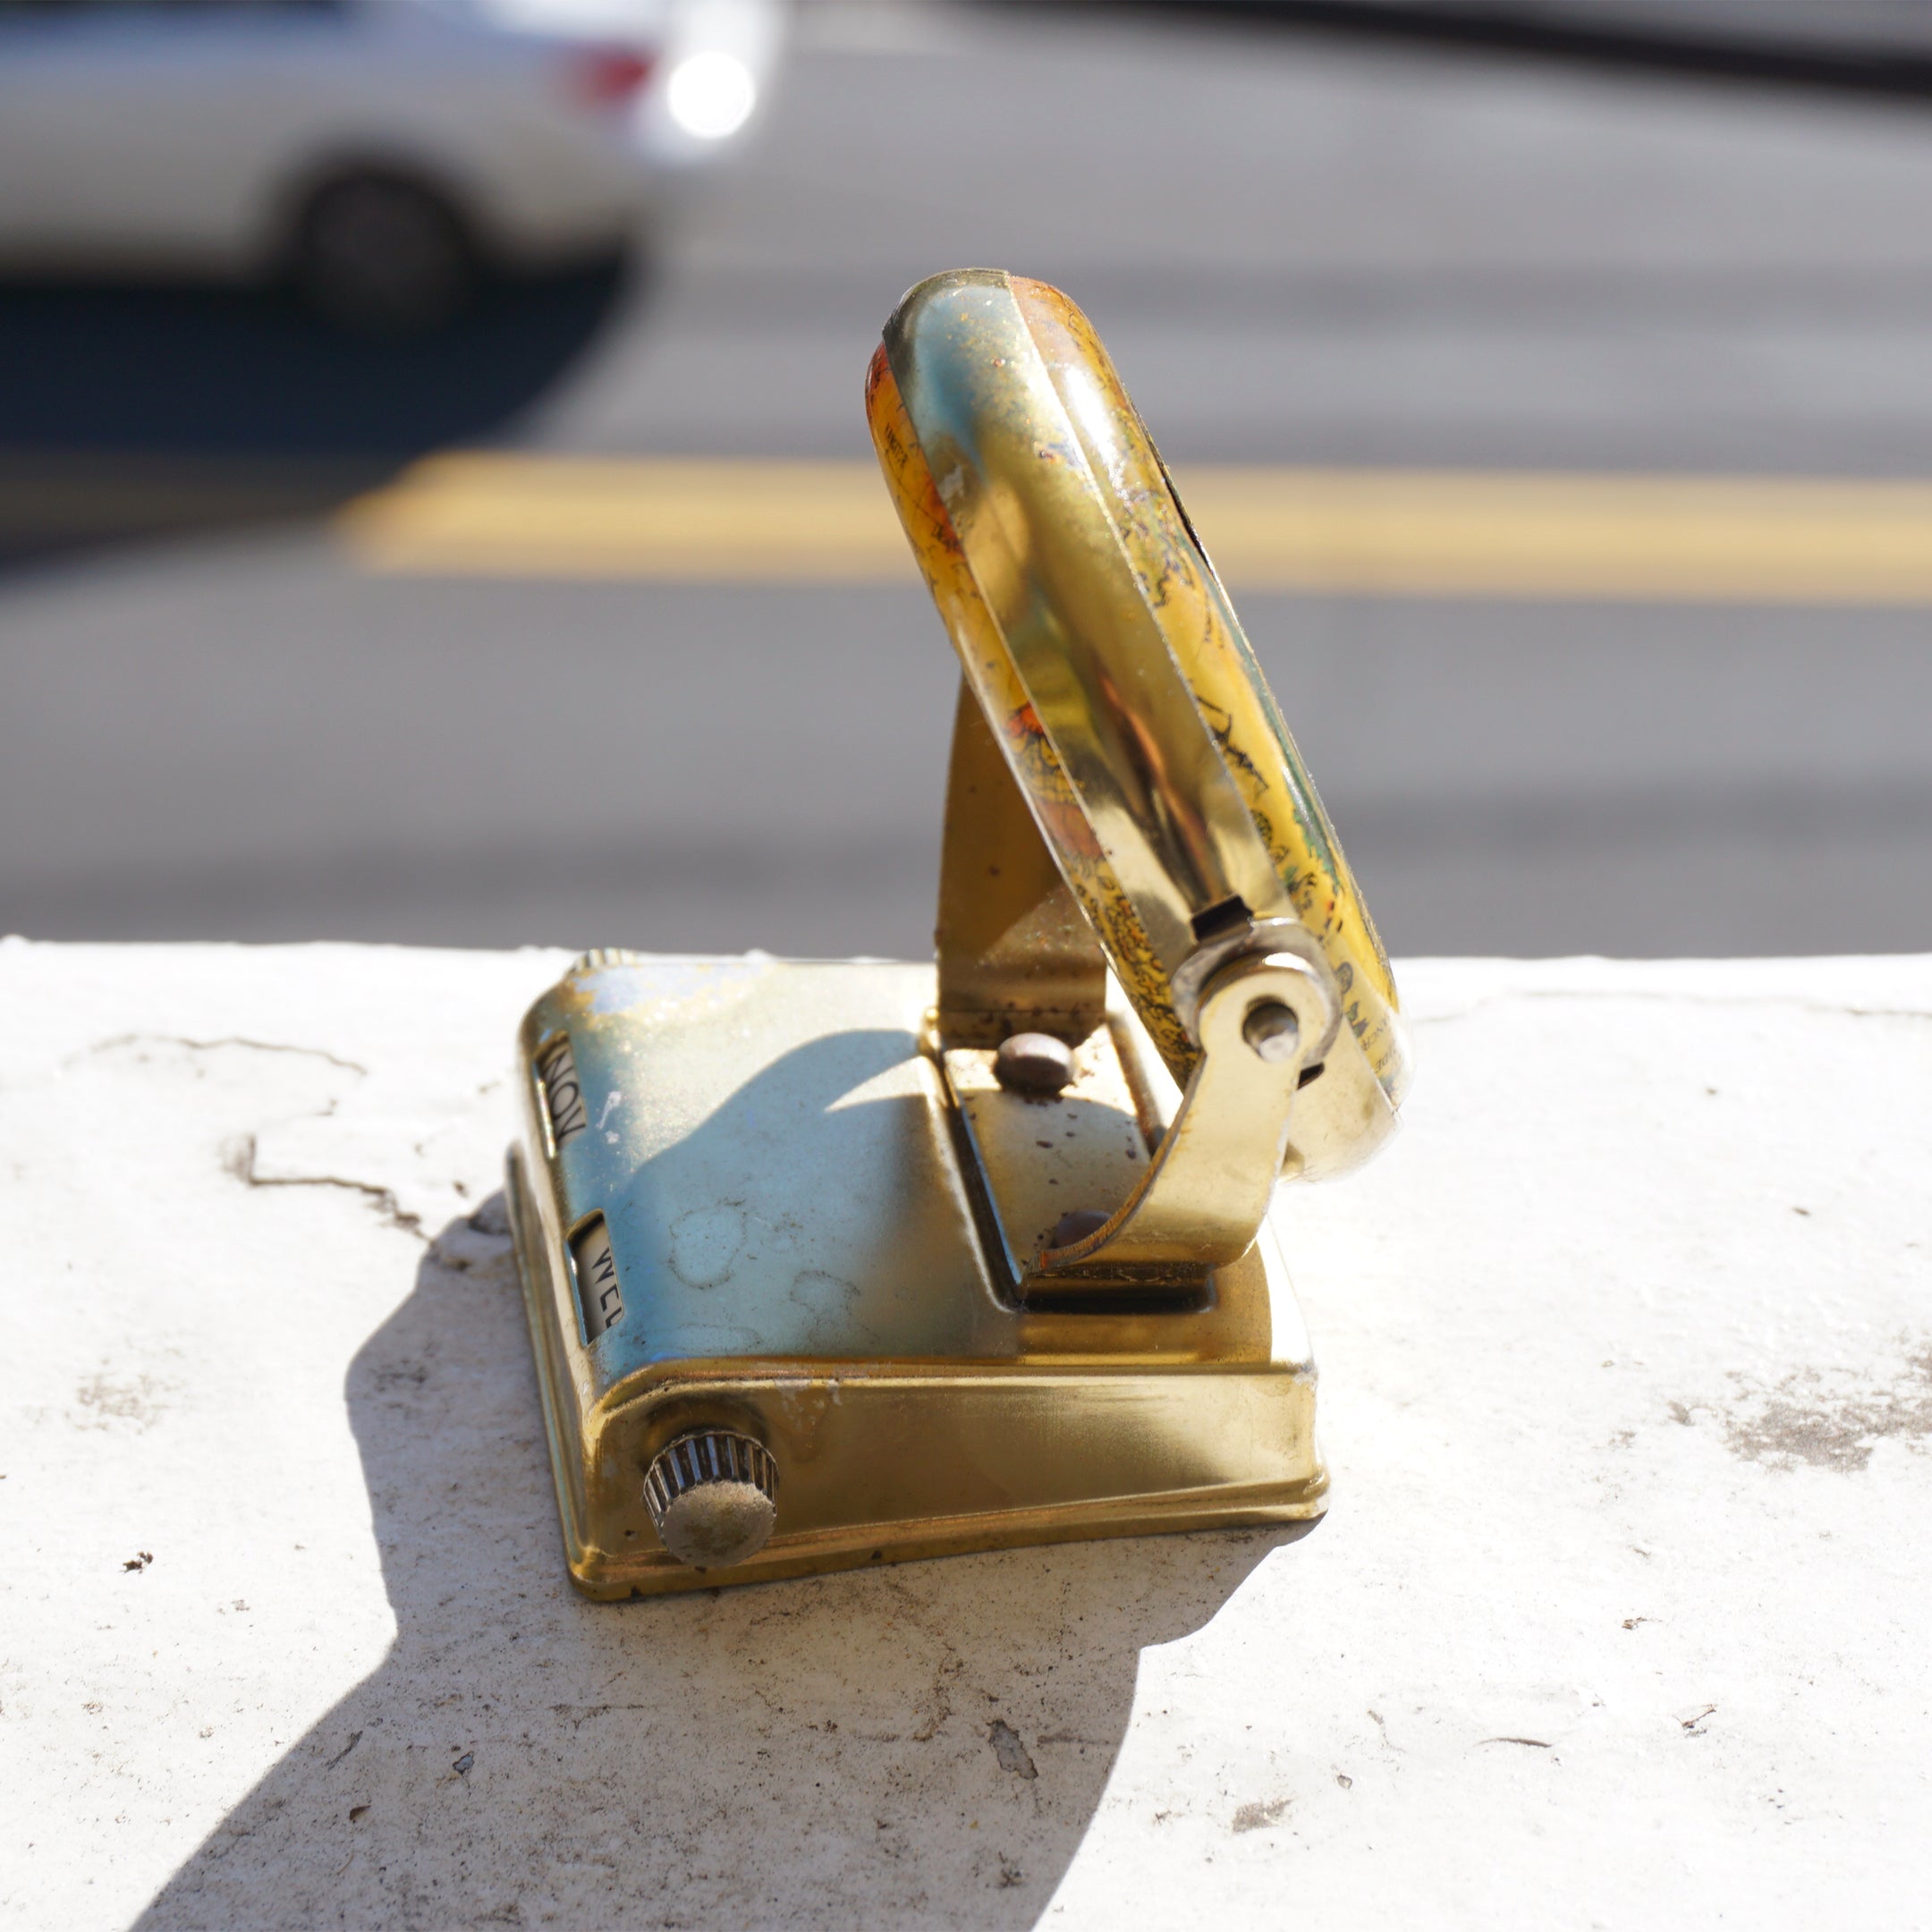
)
(1619, 1617)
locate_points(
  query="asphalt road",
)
(1301, 249)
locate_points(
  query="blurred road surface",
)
(1304, 249)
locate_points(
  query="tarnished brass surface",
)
(1102, 648)
(1180, 1189)
(1206, 1192)
(919, 1294)
(1015, 951)
(800, 1260)
(1038, 1159)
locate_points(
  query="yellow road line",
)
(1396, 532)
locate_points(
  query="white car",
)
(382, 152)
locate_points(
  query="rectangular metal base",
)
(741, 1201)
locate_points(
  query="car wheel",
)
(383, 255)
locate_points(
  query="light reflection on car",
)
(382, 155)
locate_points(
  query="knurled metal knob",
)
(599, 959)
(713, 1496)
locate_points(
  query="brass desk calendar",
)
(837, 1264)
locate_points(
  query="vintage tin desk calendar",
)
(837, 1264)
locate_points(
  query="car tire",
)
(383, 255)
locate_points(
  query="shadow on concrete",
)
(135, 410)
(1828, 59)
(916, 1746)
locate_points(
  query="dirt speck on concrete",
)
(1007, 1747)
(108, 1401)
(1833, 1421)
(1258, 1817)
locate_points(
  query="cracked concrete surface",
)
(1618, 1617)
(241, 1157)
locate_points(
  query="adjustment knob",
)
(713, 1496)
(598, 958)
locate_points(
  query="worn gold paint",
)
(989, 671)
(1095, 634)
